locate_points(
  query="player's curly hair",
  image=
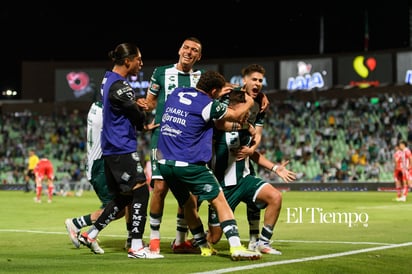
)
(210, 80)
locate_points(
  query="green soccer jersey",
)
(227, 170)
(94, 129)
(165, 79)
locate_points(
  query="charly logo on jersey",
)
(207, 188)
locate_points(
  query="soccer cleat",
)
(90, 243)
(38, 201)
(265, 248)
(240, 253)
(208, 251)
(143, 253)
(401, 199)
(154, 246)
(185, 248)
(73, 232)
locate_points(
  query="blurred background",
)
(338, 77)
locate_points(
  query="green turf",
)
(33, 238)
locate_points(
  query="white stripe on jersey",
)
(233, 142)
(94, 129)
(172, 79)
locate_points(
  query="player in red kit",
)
(44, 170)
(402, 176)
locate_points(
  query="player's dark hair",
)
(253, 68)
(236, 96)
(123, 51)
(210, 80)
(403, 142)
(196, 40)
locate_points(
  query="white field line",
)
(172, 238)
(341, 254)
(381, 246)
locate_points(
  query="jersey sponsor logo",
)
(125, 177)
(177, 111)
(167, 130)
(207, 188)
(126, 90)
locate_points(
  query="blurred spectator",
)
(373, 171)
(373, 129)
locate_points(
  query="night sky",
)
(76, 31)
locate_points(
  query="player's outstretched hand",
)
(286, 175)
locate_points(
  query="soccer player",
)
(96, 177)
(31, 164)
(163, 81)
(239, 184)
(44, 170)
(122, 119)
(402, 176)
(184, 148)
(253, 79)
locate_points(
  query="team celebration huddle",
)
(205, 135)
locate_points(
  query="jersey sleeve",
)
(121, 96)
(154, 85)
(218, 110)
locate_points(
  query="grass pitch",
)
(318, 232)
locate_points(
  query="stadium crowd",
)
(348, 140)
(329, 140)
(59, 137)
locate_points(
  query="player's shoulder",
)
(165, 67)
(160, 71)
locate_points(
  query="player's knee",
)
(275, 199)
(160, 189)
